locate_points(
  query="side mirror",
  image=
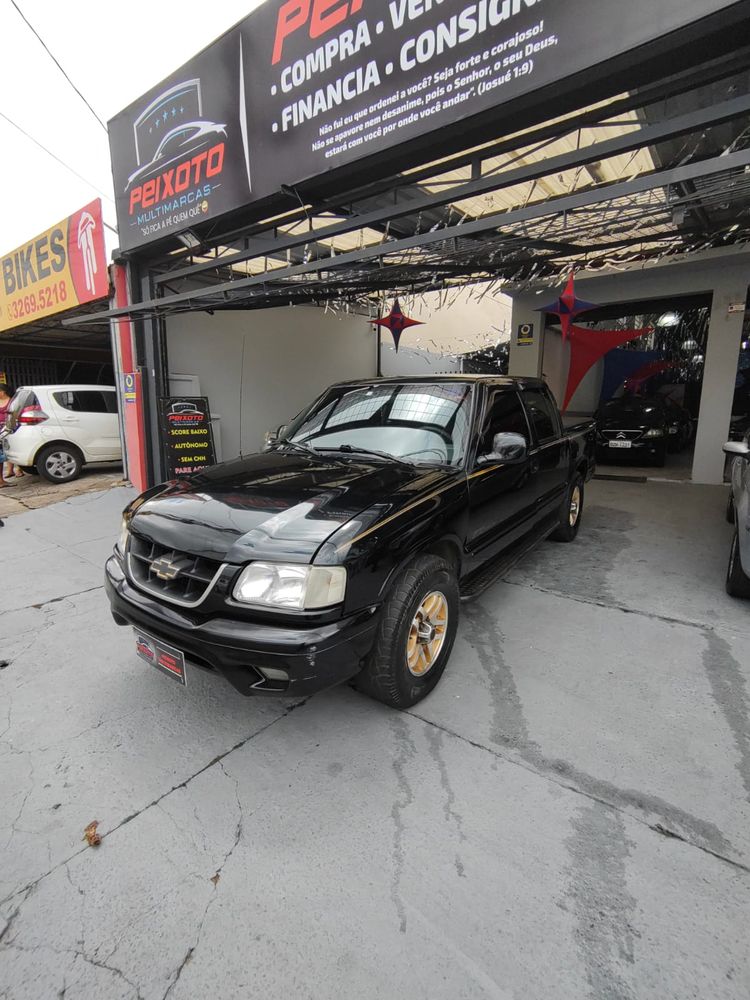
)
(273, 436)
(737, 448)
(506, 447)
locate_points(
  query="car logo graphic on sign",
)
(144, 648)
(165, 569)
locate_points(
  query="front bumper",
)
(314, 658)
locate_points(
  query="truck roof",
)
(509, 381)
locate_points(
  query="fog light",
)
(273, 674)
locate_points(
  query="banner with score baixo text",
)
(61, 268)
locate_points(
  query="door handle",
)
(69, 420)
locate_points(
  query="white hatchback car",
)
(57, 429)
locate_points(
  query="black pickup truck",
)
(344, 549)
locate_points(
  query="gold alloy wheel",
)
(575, 506)
(427, 634)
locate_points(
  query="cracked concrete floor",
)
(568, 815)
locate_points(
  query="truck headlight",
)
(122, 541)
(298, 588)
(654, 432)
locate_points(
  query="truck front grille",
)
(168, 573)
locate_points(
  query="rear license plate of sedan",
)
(167, 659)
(621, 444)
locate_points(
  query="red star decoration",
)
(568, 307)
(588, 346)
(396, 322)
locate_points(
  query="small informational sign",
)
(736, 307)
(129, 387)
(187, 435)
(525, 334)
(62, 268)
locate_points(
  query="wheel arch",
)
(59, 443)
(447, 547)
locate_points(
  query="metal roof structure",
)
(48, 337)
(663, 170)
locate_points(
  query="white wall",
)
(259, 368)
(456, 321)
(413, 361)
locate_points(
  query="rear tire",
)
(738, 583)
(411, 651)
(59, 463)
(570, 513)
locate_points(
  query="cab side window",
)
(542, 415)
(504, 415)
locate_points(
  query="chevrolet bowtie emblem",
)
(165, 569)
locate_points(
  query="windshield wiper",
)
(300, 446)
(351, 449)
(307, 449)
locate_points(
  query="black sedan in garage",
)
(637, 428)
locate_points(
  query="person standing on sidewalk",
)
(6, 469)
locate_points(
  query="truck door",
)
(550, 450)
(502, 496)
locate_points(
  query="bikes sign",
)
(63, 267)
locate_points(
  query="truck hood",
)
(275, 505)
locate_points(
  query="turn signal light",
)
(32, 415)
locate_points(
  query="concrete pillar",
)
(526, 359)
(719, 374)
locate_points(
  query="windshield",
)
(420, 422)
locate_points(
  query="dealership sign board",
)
(301, 87)
(56, 271)
(187, 435)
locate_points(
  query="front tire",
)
(730, 509)
(416, 634)
(738, 583)
(59, 463)
(571, 513)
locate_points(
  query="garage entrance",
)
(646, 394)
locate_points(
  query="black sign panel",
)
(178, 154)
(301, 87)
(187, 435)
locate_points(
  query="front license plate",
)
(166, 658)
(621, 444)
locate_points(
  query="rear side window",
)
(542, 414)
(504, 415)
(86, 400)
